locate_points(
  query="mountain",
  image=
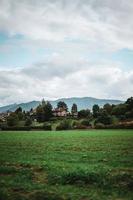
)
(82, 103)
(24, 106)
(85, 102)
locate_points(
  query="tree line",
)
(106, 115)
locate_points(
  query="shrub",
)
(75, 123)
(85, 122)
(84, 113)
(120, 126)
(47, 127)
(99, 126)
(80, 126)
(64, 125)
(28, 122)
(36, 127)
(125, 125)
(12, 119)
(16, 128)
(104, 118)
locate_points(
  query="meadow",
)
(69, 165)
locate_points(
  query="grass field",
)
(72, 165)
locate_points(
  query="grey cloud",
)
(71, 29)
(107, 22)
(32, 84)
(58, 66)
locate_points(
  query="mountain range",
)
(82, 103)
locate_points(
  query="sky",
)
(62, 48)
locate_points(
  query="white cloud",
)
(70, 29)
(34, 83)
(105, 23)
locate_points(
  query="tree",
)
(12, 119)
(44, 112)
(129, 114)
(19, 109)
(28, 121)
(129, 103)
(40, 114)
(62, 104)
(19, 112)
(74, 108)
(108, 108)
(95, 110)
(104, 117)
(31, 110)
(47, 109)
(84, 113)
(119, 110)
(43, 102)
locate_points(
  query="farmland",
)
(71, 165)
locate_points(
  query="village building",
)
(60, 112)
(3, 116)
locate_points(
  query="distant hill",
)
(82, 103)
(25, 106)
(85, 102)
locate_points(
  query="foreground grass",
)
(74, 165)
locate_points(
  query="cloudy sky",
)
(65, 48)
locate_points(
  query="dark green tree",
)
(119, 110)
(40, 114)
(20, 113)
(19, 109)
(12, 119)
(129, 103)
(74, 108)
(108, 108)
(47, 109)
(62, 104)
(95, 110)
(104, 117)
(44, 112)
(84, 113)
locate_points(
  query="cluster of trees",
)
(105, 115)
(19, 115)
(108, 113)
(44, 111)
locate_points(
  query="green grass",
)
(71, 165)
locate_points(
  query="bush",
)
(99, 126)
(104, 118)
(85, 122)
(120, 126)
(75, 123)
(28, 122)
(64, 125)
(125, 125)
(47, 127)
(36, 127)
(81, 127)
(12, 119)
(15, 128)
(84, 113)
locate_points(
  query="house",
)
(60, 112)
(3, 116)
